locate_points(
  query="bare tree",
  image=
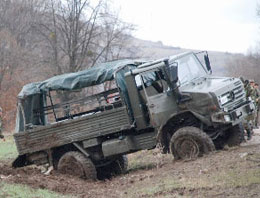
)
(17, 51)
(15, 34)
(64, 35)
(246, 66)
(80, 32)
(114, 38)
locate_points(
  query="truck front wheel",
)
(76, 164)
(190, 143)
(235, 135)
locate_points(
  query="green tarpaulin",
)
(33, 95)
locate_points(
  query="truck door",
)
(161, 102)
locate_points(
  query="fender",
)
(160, 134)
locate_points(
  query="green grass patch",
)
(142, 160)
(161, 187)
(21, 191)
(7, 148)
(240, 176)
(237, 178)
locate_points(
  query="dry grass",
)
(7, 149)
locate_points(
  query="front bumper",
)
(234, 117)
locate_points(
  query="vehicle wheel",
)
(75, 163)
(235, 135)
(190, 143)
(116, 167)
(120, 165)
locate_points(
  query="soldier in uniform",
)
(250, 119)
(1, 134)
(256, 95)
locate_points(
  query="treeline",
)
(42, 38)
(247, 66)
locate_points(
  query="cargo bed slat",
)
(73, 130)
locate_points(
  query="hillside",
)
(154, 50)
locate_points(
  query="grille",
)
(239, 97)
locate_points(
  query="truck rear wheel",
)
(76, 164)
(235, 135)
(116, 167)
(190, 143)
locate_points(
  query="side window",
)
(154, 83)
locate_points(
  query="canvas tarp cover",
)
(33, 95)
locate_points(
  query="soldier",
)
(250, 119)
(1, 134)
(256, 94)
(248, 88)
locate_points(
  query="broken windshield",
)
(189, 68)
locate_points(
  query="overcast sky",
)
(220, 25)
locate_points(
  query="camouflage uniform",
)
(249, 121)
(256, 95)
(1, 134)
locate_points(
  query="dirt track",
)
(209, 176)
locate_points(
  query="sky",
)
(218, 25)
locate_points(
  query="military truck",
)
(85, 123)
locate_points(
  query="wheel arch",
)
(175, 121)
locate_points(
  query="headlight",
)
(224, 99)
(227, 118)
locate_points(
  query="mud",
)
(135, 178)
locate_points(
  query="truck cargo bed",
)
(73, 130)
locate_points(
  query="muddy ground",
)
(233, 172)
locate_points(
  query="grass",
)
(146, 160)
(237, 178)
(170, 185)
(21, 191)
(8, 190)
(7, 149)
(141, 160)
(160, 187)
(238, 173)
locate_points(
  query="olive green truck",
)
(85, 123)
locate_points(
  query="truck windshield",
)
(189, 68)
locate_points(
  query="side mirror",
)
(207, 62)
(172, 72)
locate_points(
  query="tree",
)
(78, 33)
(42, 38)
(18, 52)
(16, 43)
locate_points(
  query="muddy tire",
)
(76, 164)
(190, 143)
(235, 135)
(120, 165)
(116, 167)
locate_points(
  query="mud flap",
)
(20, 161)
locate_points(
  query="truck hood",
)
(218, 88)
(208, 84)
